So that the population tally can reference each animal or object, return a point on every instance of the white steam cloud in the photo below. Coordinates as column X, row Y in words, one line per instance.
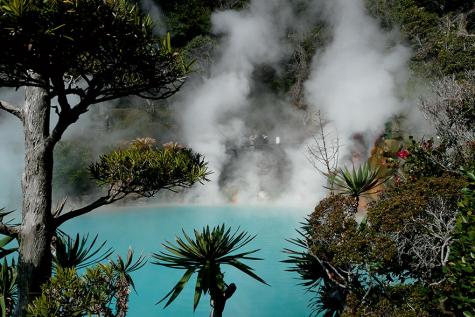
column 11, row 156
column 223, row 119
column 356, row 80
column 254, row 139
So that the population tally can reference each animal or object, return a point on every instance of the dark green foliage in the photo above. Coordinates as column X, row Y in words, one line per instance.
column 331, row 300
column 369, row 267
column 6, row 251
column 204, row 255
column 187, row 19
column 461, row 269
column 8, row 289
column 8, row 274
column 410, row 199
column 318, row 259
column 144, row 169
column 302, row 262
column 439, row 32
column 102, row 290
column 399, row 300
column 419, row 163
column 108, row 45
column 328, row 297
column 79, row 252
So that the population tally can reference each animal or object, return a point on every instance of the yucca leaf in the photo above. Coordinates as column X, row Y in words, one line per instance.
column 246, row 269
column 198, row 289
column 6, row 240
column 178, row 287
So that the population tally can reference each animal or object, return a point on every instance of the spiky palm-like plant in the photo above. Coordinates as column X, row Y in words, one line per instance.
column 204, row 255
column 122, row 270
column 78, row 252
column 362, row 181
column 328, row 298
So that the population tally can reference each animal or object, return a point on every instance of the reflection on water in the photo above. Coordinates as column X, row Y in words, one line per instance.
column 144, row 229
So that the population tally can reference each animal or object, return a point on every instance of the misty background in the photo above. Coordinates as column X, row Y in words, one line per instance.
column 233, row 109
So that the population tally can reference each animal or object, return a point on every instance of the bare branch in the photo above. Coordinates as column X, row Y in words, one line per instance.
column 59, row 209
column 327, row 266
column 14, row 110
column 428, row 237
column 449, row 109
column 102, row 201
column 11, row 231
column 324, row 152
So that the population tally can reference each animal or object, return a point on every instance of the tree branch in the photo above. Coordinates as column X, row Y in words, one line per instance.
column 102, row 201
column 8, row 230
column 14, row 110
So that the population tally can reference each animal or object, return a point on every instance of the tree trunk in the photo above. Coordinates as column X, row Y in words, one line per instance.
column 219, row 299
column 34, row 266
column 218, row 308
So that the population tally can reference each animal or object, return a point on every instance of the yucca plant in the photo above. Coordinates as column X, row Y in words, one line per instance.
column 362, row 181
column 78, row 252
column 204, row 255
column 123, row 281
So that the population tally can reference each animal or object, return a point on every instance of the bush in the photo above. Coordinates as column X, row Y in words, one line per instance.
column 461, row 268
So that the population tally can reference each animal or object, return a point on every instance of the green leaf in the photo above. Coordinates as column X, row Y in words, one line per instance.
column 198, row 289
column 178, row 287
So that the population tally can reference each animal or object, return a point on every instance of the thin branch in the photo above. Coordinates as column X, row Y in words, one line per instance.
column 8, row 230
column 14, row 110
column 59, row 209
column 102, row 201
column 329, row 274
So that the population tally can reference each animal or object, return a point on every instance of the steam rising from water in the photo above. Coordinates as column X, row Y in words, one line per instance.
column 254, row 139
column 354, row 80
column 11, row 156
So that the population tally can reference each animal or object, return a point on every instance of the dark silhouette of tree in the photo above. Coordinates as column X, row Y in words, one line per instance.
column 69, row 56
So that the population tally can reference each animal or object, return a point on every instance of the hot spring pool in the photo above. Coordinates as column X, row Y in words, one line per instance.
column 144, row 229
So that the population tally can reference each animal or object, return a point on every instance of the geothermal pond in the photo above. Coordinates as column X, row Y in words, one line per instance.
column 144, row 229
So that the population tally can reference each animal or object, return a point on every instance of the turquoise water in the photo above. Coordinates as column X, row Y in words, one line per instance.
column 144, row 229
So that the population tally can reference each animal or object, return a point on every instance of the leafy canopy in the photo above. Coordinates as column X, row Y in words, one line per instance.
column 101, row 49
column 144, row 169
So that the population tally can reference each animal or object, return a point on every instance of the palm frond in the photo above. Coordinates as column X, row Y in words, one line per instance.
column 301, row 262
column 329, row 300
column 79, row 252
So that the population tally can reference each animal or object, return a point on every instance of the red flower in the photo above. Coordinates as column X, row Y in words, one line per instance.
column 403, row 154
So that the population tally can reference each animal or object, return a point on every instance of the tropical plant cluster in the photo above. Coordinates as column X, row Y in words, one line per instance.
column 396, row 260
column 405, row 246
column 102, row 290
